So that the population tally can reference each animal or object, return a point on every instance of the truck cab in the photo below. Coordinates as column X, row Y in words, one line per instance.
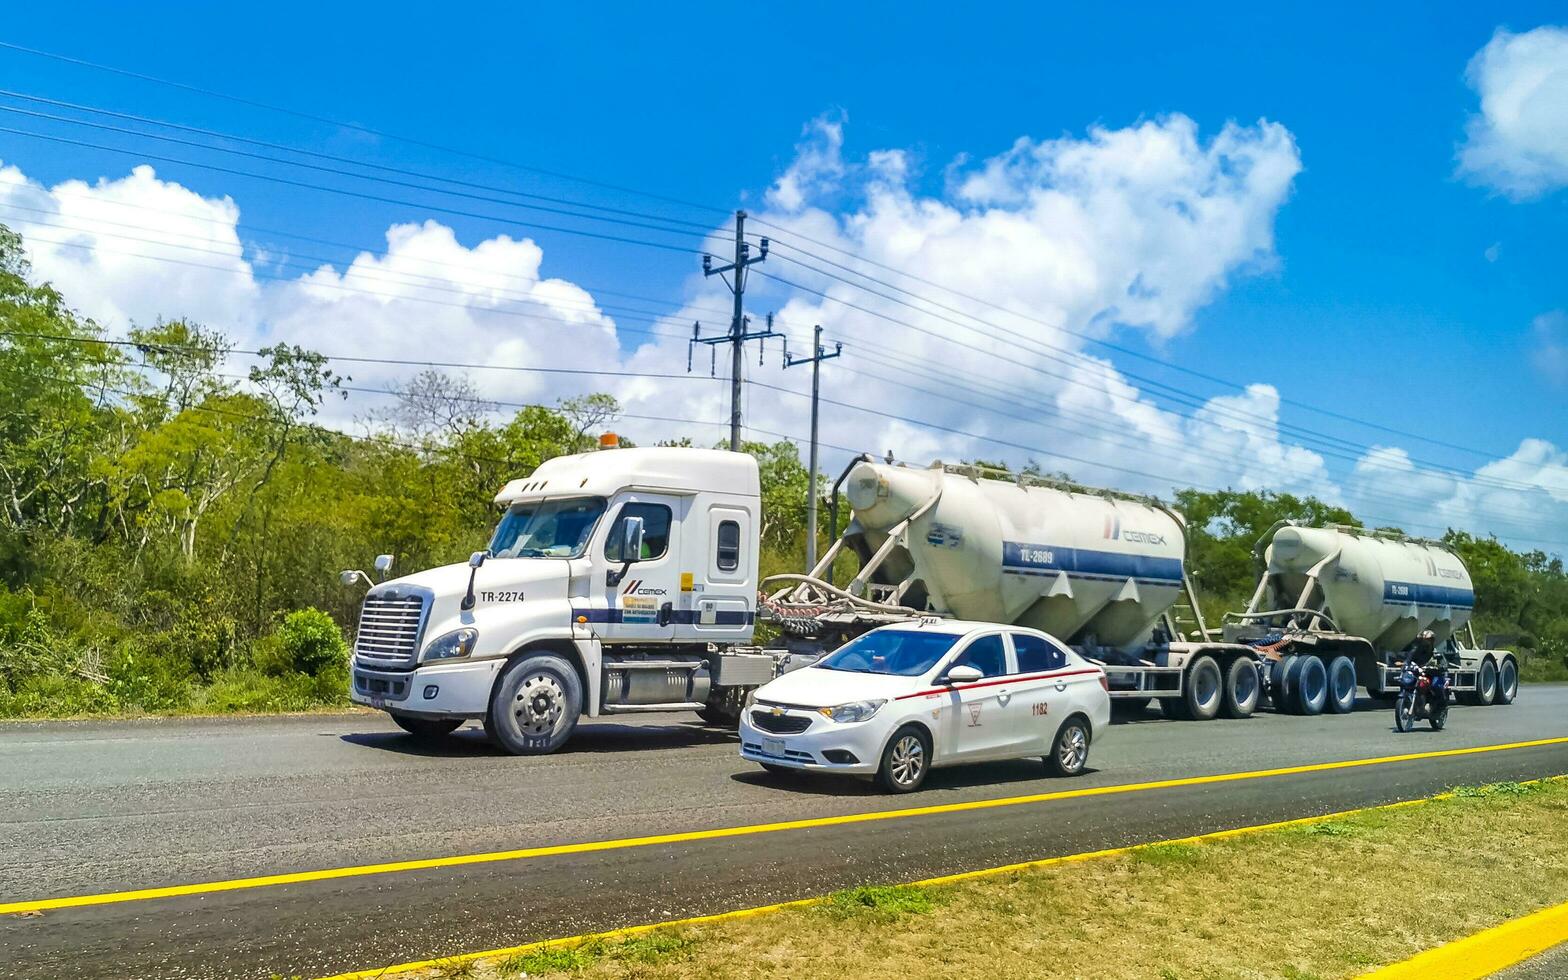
column 615, row 581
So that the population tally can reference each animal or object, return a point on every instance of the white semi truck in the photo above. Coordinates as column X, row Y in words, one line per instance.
column 625, row 580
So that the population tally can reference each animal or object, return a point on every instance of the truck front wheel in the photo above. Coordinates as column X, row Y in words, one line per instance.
column 535, row 705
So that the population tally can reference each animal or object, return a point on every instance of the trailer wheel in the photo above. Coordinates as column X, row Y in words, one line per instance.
column 1507, row 681
column 1307, row 682
column 1280, row 684
column 535, row 704
column 1485, row 684
column 427, row 728
column 1204, row 690
column 1341, row 686
column 1243, row 686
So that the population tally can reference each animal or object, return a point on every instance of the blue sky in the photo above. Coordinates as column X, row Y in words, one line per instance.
column 1397, row 289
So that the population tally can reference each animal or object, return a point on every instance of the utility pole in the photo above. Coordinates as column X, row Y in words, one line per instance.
column 818, row 355
column 737, row 335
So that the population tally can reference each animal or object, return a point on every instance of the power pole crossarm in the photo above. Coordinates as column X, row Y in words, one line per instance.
column 818, row 355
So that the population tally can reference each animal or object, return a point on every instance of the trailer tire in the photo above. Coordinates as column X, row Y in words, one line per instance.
column 1281, row 686
column 428, row 729
column 1307, row 683
column 1507, row 681
column 1341, row 686
column 1243, row 687
column 1485, row 684
column 535, row 704
column 1203, row 694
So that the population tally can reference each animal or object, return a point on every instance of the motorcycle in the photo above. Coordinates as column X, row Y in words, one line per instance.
column 1423, row 693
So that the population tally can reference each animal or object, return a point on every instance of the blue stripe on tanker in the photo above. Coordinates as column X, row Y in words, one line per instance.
column 1024, row 558
column 1413, row 593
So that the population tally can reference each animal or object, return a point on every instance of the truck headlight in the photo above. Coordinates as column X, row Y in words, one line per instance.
column 854, row 711
column 458, row 643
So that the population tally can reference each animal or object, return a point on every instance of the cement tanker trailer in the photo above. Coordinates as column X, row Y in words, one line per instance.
column 1099, row 571
column 1338, row 607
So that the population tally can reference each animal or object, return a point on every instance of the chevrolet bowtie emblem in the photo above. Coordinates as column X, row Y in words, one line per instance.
column 777, row 711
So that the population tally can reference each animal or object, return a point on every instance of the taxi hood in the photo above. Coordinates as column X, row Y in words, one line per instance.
column 819, row 687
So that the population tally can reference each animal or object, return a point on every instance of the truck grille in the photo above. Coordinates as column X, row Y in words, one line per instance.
column 390, row 625
column 780, row 724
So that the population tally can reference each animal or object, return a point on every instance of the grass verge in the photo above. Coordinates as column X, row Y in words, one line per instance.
column 1328, row 899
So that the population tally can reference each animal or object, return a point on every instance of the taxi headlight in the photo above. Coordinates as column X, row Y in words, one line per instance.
column 853, row 711
column 458, row 643
column 751, row 699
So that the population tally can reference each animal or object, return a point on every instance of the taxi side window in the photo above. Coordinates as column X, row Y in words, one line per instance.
column 1035, row 655
column 655, row 532
column 985, row 655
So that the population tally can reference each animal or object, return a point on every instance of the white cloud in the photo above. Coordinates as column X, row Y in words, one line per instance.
column 1550, row 356
column 818, row 162
column 1518, row 142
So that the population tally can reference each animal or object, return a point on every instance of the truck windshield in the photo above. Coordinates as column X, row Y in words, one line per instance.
column 906, row 653
column 558, row 528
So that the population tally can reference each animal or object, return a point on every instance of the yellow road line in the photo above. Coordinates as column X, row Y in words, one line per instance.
column 586, row 847
column 1486, row 952
column 638, row 930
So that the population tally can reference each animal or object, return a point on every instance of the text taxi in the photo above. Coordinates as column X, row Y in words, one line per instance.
column 901, row 699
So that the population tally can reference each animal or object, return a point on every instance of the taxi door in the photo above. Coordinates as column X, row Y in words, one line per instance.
column 976, row 717
column 1043, row 694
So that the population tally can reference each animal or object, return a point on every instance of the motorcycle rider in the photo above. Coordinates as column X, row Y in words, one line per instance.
column 1424, row 654
column 1424, row 648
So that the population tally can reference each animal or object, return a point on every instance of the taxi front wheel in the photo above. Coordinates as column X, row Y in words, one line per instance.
column 905, row 761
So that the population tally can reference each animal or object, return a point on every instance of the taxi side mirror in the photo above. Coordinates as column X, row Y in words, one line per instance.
column 962, row 674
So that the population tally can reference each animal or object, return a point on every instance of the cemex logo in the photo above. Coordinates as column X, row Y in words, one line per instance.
column 1113, row 532
column 635, row 587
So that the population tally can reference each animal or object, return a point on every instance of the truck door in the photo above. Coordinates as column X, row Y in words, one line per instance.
column 977, row 718
column 638, row 605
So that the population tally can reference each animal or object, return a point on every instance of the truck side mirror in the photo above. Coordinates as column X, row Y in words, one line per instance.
column 383, row 565
column 474, row 561
column 631, row 542
column 631, row 550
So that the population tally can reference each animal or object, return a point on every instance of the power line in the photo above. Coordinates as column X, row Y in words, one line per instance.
column 892, row 416
column 382, row 134
column 702, row 231
column 1307, row 436
column 602, row 236
column 1214, row 379
column 257, row 229
column 800, row 235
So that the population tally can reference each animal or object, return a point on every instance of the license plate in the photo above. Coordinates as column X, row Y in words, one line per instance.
column 378, row 702
column 773, row 746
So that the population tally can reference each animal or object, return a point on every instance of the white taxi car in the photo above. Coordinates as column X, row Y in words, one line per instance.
column 901, row 699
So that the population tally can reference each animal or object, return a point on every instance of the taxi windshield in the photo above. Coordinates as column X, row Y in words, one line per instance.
column 555, row 528
column 906, row 653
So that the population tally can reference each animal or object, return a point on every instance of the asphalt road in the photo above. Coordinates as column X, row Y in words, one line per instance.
column 98, row 807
